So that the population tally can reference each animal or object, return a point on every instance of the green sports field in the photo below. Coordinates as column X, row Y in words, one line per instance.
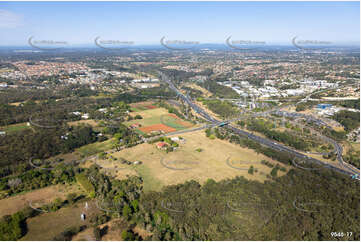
column 158, row 116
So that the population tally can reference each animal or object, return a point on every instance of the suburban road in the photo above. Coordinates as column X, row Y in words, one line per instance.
column 348, row 170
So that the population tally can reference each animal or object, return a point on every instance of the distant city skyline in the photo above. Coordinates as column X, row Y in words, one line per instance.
column 145, row 23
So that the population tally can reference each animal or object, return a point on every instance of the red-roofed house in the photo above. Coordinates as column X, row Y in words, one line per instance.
column 136, row 125
column 162, row 145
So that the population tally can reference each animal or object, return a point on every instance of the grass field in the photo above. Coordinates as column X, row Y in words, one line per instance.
column 211, row 162
column 68, row 157
column 90, row 122
column 158, row 119
column 86, row 150
column 14, row 127
column 173, row 121
column 115, row 168
column 13, row 204
column 150, row 116
column 94, row 148
column 48, row 225
column 141, row 106
column 102, row 95
column 356, row 146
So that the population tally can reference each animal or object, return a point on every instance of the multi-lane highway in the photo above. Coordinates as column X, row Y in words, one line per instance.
column 266, row 142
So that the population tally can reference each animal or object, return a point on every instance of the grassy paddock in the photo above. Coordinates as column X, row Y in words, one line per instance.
column 48, row 225
column 14, row 204
column 94, row 148
column 85, row 183
column 211, row 162
column 158, row 116
column 14, row 127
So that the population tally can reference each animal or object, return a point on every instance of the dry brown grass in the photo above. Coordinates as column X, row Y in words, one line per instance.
column 120, row 172
column 68, row 157
column 90, row 122
column 142, row 232
column 115, row 228
column 47, row 225
column 209, row 163
column 149, row 113
column 85, row 235
column 203, row 90
column 16, row 104
column 45, row 195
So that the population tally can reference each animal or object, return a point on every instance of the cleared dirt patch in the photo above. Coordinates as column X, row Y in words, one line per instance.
column 150, row 106
column 157, row 127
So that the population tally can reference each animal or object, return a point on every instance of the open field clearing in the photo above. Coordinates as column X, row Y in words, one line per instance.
column 91, row 149
column 15, row 127
column 85, row 235
column 48, row 225
column 356, row 146
column 84, row 151
column 102, row 95
column 15, row 104
column 141, row 106
column 18, row 103
column 120, row 174
column 338, row 129
column 158, row 119
column 175, row 122
column 90, row 122
column 159, row 168
column 150, row 116
column 157, row 127
column 5, row 70
column 114, row 230
column 45, row 195
column 115, row 168
column 68, row 157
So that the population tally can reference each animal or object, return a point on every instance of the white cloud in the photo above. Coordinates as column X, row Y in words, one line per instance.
column 9, row 19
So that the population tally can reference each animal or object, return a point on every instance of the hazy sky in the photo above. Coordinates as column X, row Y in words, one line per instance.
column 147, row 22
